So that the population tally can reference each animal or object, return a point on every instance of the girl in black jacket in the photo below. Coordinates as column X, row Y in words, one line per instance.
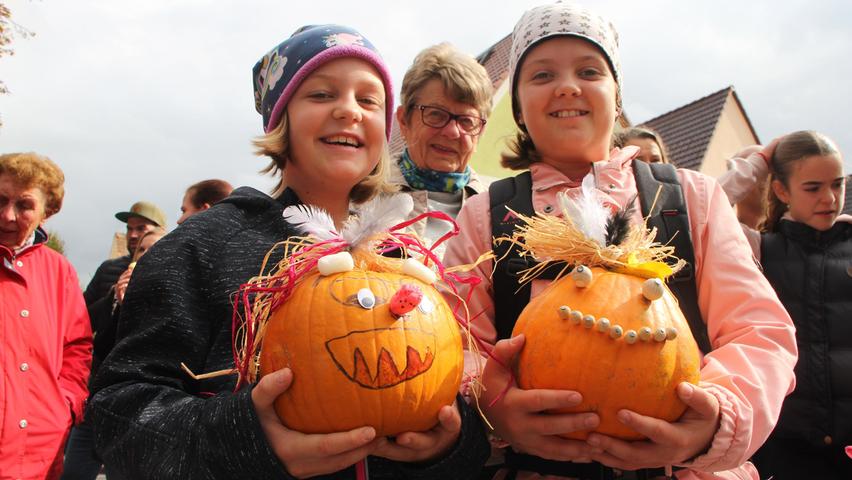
column 806, row 250
column 326, row 101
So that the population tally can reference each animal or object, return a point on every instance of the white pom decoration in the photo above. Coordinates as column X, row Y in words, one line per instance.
column 413, row 268
column 582, row 276
column 603, row 325
column 564, row 312
column 335, row 263
column 652, row 289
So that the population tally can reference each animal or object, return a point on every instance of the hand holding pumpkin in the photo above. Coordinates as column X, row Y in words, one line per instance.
column 307, row 455
column 519, row 416
column 423, row 446
column 668, row 443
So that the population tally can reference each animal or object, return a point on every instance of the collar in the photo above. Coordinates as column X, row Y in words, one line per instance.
column 548, row 176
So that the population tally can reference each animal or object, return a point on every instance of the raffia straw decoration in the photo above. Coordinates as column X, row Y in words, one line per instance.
column 549, row 239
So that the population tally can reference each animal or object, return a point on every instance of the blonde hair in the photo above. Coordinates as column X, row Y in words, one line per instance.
column 463, row 78
column 276, row 145
column 620, row 139
column 791, row 149
column 32, row 170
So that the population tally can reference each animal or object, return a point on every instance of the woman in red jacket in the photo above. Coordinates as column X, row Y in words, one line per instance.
column 45, row 337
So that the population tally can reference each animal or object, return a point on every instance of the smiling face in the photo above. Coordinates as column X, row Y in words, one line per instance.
column 567, row 99
column 337, row 127
column 815, row 191
column 445, row 149
column 22, row 210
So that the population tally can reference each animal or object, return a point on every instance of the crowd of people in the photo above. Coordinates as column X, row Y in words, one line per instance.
column 97, row 381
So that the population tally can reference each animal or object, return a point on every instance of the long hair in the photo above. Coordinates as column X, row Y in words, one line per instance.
column 791, row 149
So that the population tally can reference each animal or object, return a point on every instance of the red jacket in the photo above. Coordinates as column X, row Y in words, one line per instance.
column 45, row 355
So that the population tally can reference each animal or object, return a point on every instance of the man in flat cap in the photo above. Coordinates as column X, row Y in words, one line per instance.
column 143, row 217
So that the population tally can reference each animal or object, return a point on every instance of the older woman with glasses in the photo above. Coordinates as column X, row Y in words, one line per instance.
column 446, row 98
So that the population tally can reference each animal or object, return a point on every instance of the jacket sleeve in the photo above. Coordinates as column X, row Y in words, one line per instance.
column 77, row 347
column 750, row 369
column 151, row 419
column 746, row 170
column 473, row 240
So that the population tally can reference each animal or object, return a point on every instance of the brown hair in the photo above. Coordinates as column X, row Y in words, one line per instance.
column 208, row 191
column 791, row 149
column 159, row 232
column 32, row 170
column 464, row 79
column 620, row 139
column 275, row 145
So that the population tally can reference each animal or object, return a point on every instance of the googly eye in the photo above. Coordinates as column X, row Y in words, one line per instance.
column 366, row 298
column 426, row 306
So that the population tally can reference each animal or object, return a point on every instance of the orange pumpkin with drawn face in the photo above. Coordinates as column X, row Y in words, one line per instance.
column 355, row 363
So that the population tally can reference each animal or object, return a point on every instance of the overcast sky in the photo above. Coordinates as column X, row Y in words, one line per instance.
column 138, row 100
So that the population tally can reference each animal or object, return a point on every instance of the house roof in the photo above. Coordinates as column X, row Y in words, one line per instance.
column 687, row 130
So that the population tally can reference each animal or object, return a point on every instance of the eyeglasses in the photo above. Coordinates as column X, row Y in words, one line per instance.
column 436, row 117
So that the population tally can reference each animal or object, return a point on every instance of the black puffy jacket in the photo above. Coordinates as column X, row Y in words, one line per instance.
column 812, row 273
column 151, row 419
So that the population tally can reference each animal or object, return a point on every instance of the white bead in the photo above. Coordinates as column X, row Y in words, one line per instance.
column 426, row 306
column 576, row 317
column 603, row 324
column 671, row 333
column 582, row 276
column 588, row 321
column 335, row 263
column 413, row 268
column 645, row 334
column 564, row 312
column 616, row 332
column 652, row 289
column 631, row 336
column 660, row 335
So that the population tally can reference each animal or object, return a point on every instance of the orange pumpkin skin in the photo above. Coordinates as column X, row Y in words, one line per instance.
column 609, row 373
column 354, row 366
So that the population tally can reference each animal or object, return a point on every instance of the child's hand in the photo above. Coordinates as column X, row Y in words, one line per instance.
column 519, row 418
column 121, row 285
column 307, row 455
column 668, row 443
column 422, row 446
column 769, row 149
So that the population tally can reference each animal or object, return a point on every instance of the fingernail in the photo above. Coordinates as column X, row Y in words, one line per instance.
column 575, row 398
column 517, row 339
column 623, row 416
column 594, row 441
column 591, row 421
column 686, row 390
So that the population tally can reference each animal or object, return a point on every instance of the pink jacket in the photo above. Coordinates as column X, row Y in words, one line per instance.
column 750, row 369
column 45, row 354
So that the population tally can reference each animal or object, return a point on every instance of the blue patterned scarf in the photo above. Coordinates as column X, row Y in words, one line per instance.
column 432, row 180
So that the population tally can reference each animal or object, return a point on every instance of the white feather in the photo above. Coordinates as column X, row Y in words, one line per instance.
column 312, row 221
column 378, row 215
column 587, row 211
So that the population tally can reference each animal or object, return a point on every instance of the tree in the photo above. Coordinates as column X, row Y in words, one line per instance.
column 8, row 30
column 55, row 241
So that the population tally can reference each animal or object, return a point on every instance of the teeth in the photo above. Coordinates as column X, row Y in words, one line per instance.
column 568, row 113
column 342, row 140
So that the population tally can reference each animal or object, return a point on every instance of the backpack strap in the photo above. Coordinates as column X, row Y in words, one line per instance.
column 509, row 298
column 671, row 219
